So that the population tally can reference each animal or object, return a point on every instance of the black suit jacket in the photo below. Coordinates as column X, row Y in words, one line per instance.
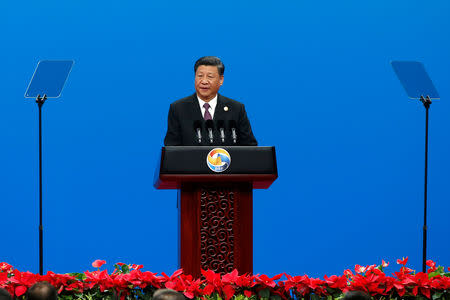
column 184, row 112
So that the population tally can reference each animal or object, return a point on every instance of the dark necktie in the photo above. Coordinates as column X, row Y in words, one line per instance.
column 207, row 115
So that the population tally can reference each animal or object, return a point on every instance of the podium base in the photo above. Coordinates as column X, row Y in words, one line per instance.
column 216, row 227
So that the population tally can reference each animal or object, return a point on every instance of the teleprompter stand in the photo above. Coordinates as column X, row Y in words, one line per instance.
column 48, row 80
column 215, row 209
column 418, row 85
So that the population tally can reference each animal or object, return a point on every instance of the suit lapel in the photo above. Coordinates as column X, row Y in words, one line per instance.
column 196, row 111
column 219, row 112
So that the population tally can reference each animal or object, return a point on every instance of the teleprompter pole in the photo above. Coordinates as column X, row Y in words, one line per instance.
column 426, row 102
column 40, row 101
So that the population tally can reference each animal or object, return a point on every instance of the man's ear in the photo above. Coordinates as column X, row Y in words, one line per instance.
column 221, row 80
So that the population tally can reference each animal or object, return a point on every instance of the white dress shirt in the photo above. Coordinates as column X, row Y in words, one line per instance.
column 212, row 106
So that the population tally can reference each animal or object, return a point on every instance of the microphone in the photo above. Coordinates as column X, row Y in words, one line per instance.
column 221, row 126
column 233, row 130
column 209, row 126
column 198, row 130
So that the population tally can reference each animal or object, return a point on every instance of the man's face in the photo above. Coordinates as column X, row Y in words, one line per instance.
column 207, row 82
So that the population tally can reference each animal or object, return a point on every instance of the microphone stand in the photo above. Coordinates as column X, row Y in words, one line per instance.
column 40, row 102
column 426, row 103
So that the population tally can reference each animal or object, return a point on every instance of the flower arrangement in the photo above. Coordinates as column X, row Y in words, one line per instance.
column 130, row 282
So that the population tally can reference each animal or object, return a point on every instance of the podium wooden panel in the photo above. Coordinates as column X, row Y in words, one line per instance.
column 215, row 209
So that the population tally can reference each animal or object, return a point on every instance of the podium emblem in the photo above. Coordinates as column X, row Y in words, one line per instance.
column 218, row 160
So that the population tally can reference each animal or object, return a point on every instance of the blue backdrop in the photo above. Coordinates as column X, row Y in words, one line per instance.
column 317, row 84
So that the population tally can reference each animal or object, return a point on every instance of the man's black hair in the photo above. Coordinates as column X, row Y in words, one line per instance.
column 210, row 61
column 42, row 291
column 4, row 294
column 356, row 295
column 167, row 294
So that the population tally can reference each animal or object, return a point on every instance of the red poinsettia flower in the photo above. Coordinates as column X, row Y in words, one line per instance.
column 3, row 278
column 245, row 281
column 432, row 266
column 336, row 282
column 406, row 270
column 384, row 264
column 100, row 279
column 230, row 277
column 150, row 279
column 405, row 284
column 137, row 267
column 98, row 263
column 228, row 291
column 193, row 287
column 213, row 282
column 348, row 273
column 22, row 280
column 402, row 261
column 20, row 290
column 360, row 269
column 370, row 268
column 265, row 280
column 248, row 294
column 5, row 267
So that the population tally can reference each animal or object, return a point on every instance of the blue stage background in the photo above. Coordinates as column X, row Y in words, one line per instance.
column 317, row 84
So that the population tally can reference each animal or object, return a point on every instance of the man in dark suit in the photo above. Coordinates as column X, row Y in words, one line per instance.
column 188, row 114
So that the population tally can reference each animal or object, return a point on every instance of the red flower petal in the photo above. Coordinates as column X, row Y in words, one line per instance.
column 360, row 269
column 402, row 261
column 138, row 267
column 425, row 292
column 228, row 290
column 415, row 290
column 170, row 285
column 177, row 273
column 20, row 290
column 98, row 263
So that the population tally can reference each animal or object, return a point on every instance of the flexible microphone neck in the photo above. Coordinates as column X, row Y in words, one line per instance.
column 198, row 130
column 210, row 126
column 221, row 126
column 233, row 131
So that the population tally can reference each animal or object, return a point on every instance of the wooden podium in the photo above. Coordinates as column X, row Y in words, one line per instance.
column 215, row 209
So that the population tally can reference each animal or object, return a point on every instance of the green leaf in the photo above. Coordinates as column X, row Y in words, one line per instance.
column 420, row 297
column 125, row 269
column 216, row 296
column 436, row 295
column 339, row 296
column 432, row 274
column 264, row 294
column 79, row 276
column 275, row 297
